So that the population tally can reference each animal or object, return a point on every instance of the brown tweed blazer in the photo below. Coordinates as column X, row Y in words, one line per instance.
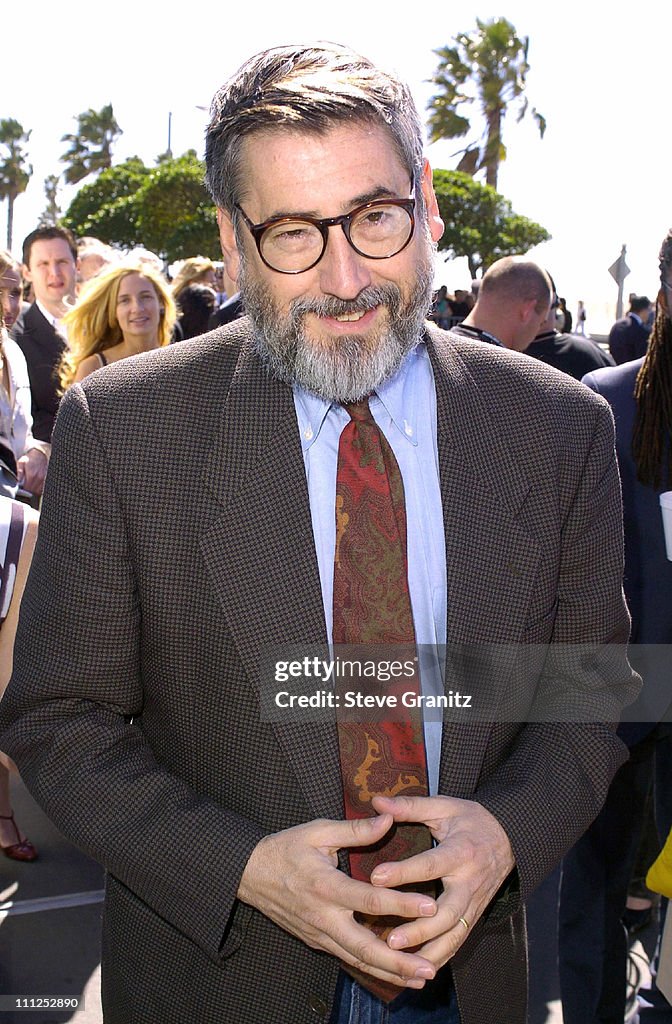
column 175, row 541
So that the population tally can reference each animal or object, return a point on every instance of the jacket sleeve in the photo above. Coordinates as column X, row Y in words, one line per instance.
column 68, row 713
column 559, row 766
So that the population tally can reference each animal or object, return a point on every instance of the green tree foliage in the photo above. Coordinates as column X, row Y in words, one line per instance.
column 176, row 216
column 14, row 171
column 487, row 66
column 480, row 223
column 165, row 208
column 91, row 146
column 52, row 210
column 105, row 208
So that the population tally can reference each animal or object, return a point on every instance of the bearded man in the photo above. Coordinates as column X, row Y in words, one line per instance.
column 328, row 469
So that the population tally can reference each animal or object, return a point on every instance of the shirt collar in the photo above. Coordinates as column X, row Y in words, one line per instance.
column 312, row 412
column 399, row 396
column 549, row 335
column 469, row 331
column 49, row 317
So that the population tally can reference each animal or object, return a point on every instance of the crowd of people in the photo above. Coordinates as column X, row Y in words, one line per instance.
column 359, row 462
column 72, row 307
column 448, row 310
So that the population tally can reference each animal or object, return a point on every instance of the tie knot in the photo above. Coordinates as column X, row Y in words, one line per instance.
column 359, row 411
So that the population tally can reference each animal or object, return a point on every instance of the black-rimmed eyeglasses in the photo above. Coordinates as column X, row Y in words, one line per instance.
column 377, row 230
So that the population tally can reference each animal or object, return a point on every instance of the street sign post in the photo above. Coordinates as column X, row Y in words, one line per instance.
column 619, row 271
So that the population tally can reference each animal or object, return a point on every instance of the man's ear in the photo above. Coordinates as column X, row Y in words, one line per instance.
column 25, row 273
column 527, row 311
column 227, row 239
column 436, row 225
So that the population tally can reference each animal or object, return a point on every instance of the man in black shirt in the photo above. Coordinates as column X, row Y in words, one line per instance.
column 567, row 352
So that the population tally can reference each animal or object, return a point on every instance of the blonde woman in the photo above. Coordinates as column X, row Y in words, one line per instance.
column 126, row 309
column 195, row 270
column 11, row 289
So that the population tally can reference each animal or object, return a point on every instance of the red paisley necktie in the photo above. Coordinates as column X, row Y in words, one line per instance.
column 372, row 607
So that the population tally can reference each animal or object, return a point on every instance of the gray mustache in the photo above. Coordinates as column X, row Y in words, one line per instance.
column 368, row 298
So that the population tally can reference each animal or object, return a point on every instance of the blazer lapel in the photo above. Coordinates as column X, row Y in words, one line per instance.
column 260, row 555
column 491, row 559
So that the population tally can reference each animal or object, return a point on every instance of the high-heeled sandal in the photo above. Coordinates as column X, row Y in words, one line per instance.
column 22, row 849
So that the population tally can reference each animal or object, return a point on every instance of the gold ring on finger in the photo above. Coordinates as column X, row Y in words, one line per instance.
column 464, row 921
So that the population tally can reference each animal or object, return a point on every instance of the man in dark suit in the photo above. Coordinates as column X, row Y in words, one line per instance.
column 629, row 337
column 230, row 309
column 597, row 872
column 189, row 527
column 567, row 352
column 49, row 264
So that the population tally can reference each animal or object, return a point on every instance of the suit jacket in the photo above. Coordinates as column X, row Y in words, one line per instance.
column 184, row 550
column 43, row 347
column 648, row 572
column 569, row 353
column 230, row 309
column 628, row 340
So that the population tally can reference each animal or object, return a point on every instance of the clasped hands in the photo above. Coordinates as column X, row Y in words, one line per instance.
column 292, row 877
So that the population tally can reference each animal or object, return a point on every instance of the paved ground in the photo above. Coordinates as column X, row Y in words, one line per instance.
column 50, row 925
column 49, row 939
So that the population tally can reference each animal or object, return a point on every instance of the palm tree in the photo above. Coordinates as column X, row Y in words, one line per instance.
column 52, row 210
column 488, row 66
column 91, row 147
column 14, row 171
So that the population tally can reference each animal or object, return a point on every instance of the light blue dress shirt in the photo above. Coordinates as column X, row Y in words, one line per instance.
column 404, row 408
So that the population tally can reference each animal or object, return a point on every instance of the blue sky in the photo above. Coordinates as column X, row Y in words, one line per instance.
column 597, row 181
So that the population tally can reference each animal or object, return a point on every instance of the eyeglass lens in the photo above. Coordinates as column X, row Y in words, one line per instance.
column 377, row 232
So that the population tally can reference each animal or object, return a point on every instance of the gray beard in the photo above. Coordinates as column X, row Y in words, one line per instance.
column 346, row 368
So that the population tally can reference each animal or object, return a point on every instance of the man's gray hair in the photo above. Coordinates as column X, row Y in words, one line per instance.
column 308, row 88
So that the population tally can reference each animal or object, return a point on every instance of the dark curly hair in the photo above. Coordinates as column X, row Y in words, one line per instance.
column 651, row 442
